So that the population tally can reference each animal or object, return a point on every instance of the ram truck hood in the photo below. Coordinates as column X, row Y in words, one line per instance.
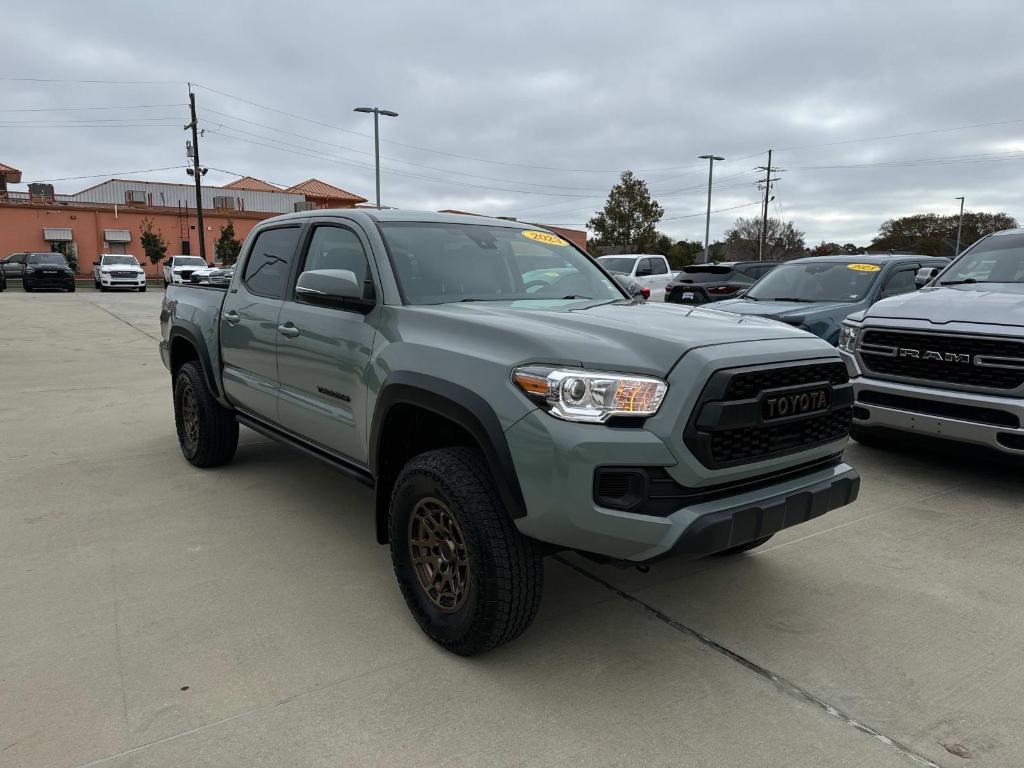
column 642, row 338
column 980, row 303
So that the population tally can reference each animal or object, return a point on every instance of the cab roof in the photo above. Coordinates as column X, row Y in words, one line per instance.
column 399, row 215
column 864, row 258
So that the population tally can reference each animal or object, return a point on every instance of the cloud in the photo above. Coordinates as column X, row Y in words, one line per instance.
column 533, row 110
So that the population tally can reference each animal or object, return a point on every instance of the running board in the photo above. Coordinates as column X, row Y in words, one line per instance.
column 337, row 462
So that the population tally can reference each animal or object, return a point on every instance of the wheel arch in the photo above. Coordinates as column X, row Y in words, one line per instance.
column 467, row 411
column 186, row 342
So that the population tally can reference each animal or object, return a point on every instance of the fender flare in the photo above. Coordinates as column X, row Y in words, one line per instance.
column 190, row 332
column 459, row 405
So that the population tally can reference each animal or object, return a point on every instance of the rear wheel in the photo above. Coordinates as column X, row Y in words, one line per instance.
column 471, row 580
column 207, row 431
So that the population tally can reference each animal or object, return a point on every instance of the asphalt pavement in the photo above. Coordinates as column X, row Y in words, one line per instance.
column 153, row 614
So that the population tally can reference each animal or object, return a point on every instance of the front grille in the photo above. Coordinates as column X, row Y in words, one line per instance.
column 752, row 383
column 728, row 427
column 964, row 373
column 186, row 275
column 123, row 274
column 975, row 413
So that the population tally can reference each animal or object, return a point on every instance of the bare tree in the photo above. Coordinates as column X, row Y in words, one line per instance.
column 782, row 241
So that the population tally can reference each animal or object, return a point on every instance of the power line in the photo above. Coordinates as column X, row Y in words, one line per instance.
column 84, row 121
column 924, row 161
column 704, row 213
column 89, row 109
column 109, row 174
column 438, row 151
column 104, row 82
column 902, row 135
column 88, row 125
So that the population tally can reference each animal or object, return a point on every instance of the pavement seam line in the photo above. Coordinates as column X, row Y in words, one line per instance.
column 118, row 317
column 784, row 685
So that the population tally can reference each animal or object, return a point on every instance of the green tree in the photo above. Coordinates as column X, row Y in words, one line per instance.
column 935, row 235
column 153, row 243
column 70, row 252
column 827, row 249
column 227, row 247
column 782, row 240
column 683, row 253
column 630, row 216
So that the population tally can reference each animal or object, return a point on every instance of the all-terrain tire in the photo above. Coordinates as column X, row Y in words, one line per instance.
column 207, row 431
column 505, row 569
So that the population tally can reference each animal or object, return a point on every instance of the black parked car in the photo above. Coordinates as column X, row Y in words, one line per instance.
column 701, row 283
column 47, row 270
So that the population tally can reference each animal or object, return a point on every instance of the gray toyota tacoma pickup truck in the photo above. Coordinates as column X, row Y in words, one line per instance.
column 948, row 360
column 506, row 399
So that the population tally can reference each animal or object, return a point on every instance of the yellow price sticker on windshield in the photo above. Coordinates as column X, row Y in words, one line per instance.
column 544, row 237
column 864, row 267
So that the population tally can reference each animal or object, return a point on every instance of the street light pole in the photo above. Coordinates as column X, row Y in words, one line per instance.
column 377, row 112
column 707, row 223
column 959, row 226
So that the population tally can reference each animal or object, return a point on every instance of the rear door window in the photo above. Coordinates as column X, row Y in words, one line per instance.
column 269, row 263
column 658, row 267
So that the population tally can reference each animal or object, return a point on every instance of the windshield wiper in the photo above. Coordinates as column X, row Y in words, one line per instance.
column 574, row 296
column 969, row 280
column 789, row 298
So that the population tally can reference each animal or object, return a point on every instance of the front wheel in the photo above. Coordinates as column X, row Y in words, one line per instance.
column 71, row 289
column 207, row 431
column 471, row 580
column 25, row 286
column 142, row 289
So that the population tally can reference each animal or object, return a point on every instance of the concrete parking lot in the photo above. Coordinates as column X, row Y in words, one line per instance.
column 152, row 614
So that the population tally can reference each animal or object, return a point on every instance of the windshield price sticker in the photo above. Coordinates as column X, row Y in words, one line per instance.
column 544, row 237
column 864, row 267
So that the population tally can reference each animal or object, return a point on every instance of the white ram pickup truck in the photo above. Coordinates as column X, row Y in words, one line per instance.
column 178, row 269
column 118, row 270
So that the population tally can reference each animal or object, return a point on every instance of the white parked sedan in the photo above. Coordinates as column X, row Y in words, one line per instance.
column 118, row 271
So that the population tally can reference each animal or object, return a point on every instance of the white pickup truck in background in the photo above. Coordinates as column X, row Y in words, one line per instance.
column 650, row 270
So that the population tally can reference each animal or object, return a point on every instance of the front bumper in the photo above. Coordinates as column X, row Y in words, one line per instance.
column 122, row 282
column 49, row 282
column 556, row 461
column 979, row 419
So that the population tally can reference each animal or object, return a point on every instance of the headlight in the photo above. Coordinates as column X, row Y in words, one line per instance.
column 848, row 337
column 590, row 396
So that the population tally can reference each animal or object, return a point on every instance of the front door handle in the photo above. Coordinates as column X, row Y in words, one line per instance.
column 231, row 318
column 288, row 330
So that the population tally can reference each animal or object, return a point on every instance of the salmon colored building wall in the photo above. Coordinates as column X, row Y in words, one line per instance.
column 21, row 229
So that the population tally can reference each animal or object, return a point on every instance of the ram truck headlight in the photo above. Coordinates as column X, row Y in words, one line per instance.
column 590, row 396
column 848, row 335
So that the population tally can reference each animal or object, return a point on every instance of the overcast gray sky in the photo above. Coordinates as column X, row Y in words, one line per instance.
column 532, row 109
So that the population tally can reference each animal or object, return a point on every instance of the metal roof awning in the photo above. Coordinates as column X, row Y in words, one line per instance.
column 56, row 235
column 117, row 235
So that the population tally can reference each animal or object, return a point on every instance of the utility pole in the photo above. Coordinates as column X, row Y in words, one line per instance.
column 764, row 207
column 196, row 171
column 959, row 226
column 377, row 112
column 707, row 222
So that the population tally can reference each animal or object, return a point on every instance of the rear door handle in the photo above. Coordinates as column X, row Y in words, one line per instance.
column 288, row 330
column 231, row 318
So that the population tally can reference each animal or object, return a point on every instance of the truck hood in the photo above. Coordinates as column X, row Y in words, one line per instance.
column 998, row 304
column 642, row 338
column 782, row 309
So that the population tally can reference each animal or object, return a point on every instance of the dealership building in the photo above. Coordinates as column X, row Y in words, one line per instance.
column 110, row 217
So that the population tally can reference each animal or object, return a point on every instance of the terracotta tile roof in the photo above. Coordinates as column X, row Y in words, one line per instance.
column 13, row 174
column 253, row 184
column 317, row 188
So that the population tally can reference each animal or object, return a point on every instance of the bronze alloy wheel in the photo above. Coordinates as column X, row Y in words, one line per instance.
column 438, row 552
column 190, row 415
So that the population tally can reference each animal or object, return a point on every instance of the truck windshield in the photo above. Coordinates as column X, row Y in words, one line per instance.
column 439, row 263
column 816, row 281
column 47, row 259
column 618, row 263
column 188, row 261
column 125, row 261
column 994, row 260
